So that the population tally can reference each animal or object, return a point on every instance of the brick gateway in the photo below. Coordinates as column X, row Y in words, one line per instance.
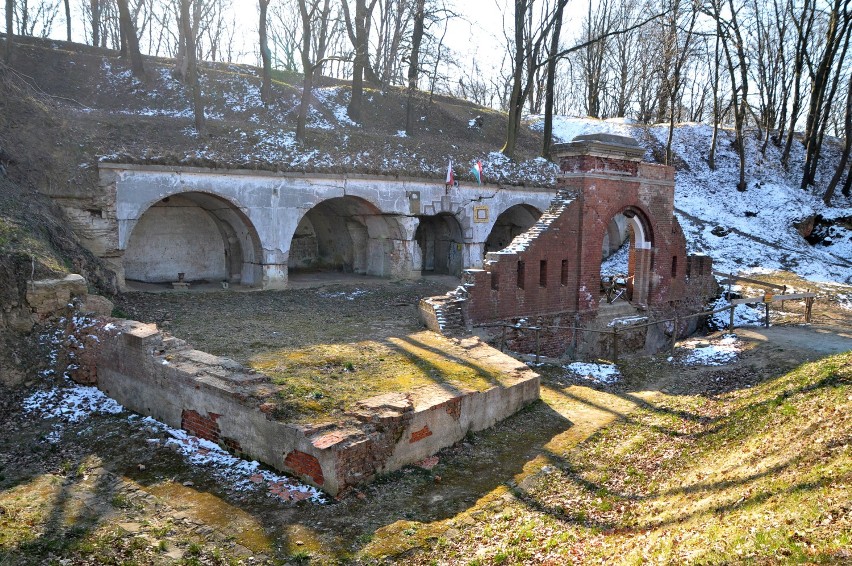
column 550, row 275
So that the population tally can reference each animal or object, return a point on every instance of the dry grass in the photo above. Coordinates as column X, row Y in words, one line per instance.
column 759, row 475
column 323, row 380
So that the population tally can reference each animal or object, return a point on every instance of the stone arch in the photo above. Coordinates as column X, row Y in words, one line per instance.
column 347, row 234
column 511, row 222
column 440, row 240
column 201, row 235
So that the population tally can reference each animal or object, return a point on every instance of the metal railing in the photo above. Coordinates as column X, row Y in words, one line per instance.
column 676, row 320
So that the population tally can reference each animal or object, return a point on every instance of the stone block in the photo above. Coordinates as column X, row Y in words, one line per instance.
column 97, row 305
column 49, row 296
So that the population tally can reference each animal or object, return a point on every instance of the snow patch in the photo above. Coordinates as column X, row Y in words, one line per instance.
column 717, row 353
column 599, row 373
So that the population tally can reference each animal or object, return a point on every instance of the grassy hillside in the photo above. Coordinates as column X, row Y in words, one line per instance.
column 759, row 475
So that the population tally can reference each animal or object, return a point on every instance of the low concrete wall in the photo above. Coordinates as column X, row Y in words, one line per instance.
column 218, row 399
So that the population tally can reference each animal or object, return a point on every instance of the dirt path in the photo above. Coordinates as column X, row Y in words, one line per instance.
column 819, row 339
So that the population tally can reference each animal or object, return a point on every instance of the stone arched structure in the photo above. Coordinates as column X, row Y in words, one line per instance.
column 287, row 214
column 512, row 222
column 348, row 234
column 440, row 241
column 196, row 234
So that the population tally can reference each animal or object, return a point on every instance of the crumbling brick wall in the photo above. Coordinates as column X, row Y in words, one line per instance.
column 550, row 275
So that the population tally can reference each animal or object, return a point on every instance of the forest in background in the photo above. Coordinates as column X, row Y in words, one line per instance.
column 777, row 69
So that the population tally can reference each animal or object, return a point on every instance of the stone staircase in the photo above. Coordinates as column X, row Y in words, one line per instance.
column 619, row 313
column 447, row 312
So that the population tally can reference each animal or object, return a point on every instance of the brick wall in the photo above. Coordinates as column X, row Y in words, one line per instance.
column 201, row 426
column 305, row 465
column 552, row 272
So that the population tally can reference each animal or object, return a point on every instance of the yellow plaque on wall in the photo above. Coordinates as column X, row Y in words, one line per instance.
column 480, row 213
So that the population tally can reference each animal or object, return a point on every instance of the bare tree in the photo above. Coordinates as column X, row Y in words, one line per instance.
column 395, row 21
column 265, row 54
column 847, row 149
column 591, row 59
column 10, row 29
column 803, row 22
column 680, row 20
column 414, row 62
column 315, row 21
column 733, row 48
column 824, row 80
column 715, row 64
column 284, row 29
column 188, row 36
column 128, row 31
column 358, row 29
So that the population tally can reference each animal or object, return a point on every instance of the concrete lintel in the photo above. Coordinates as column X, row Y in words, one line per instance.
column 601, row 145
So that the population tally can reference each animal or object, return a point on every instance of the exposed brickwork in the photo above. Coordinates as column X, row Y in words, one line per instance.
column 232, row 446
column 303, row 464
column 78, row 358
column 453, row 407
column 419, row 435
column 200, row 426
column 609, row 179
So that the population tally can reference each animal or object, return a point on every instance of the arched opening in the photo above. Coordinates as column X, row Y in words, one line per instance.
column 626, row 257
column 344, row 234
column 440, row 241
column 194, row 237
column 616, row 235
column 513, row 221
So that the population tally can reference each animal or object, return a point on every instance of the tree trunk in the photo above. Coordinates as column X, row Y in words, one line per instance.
column 307, row 83
column 128, row 31
column 711, row 157
column 550, row 87
column 803, row 29
column 192, row 68
column 847, row 185
column 414, row 63
column 96, row 22
column 181, row 70
column 68, row 20
column 516, row 98
column 266, row 54
column 847, row 148
column 10, row 29
column 820, row 97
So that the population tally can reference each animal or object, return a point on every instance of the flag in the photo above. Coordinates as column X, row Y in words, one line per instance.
column 477, row 171
column 450, row 177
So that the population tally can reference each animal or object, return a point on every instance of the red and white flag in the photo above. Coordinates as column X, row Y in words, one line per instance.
column 450, row 176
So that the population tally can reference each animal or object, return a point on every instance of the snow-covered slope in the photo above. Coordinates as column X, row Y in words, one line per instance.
column 755, row 227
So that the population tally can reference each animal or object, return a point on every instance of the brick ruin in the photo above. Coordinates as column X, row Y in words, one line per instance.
column 550, row 276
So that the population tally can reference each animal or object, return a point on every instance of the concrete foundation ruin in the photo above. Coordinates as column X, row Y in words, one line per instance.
column 219, row 400
column 550, row 275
